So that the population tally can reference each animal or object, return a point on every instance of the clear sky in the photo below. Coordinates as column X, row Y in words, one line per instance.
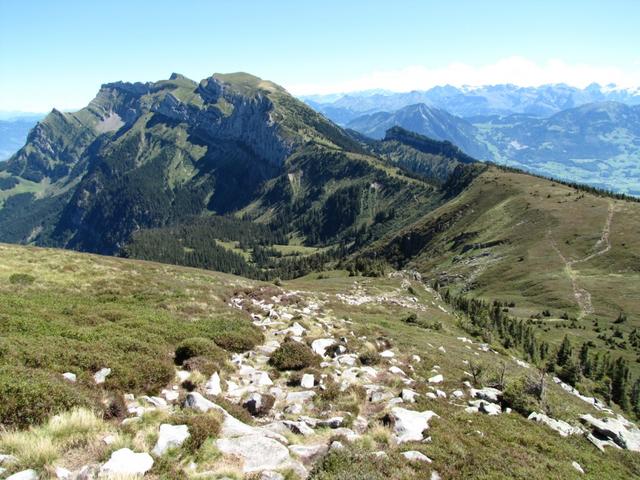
column 56, row 53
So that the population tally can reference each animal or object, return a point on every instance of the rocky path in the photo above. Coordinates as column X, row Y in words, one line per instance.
column 602, row 246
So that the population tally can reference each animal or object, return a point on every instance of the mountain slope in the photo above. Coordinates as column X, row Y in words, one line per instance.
column 430, row 122
column 154, row 155
column 153, row 319
column 539, row 245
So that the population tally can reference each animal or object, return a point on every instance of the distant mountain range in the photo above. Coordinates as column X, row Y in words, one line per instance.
column 596, row 144
column 505, row 99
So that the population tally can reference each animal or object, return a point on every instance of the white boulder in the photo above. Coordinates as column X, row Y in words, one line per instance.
column 127, row 462
column 408, row 425
column 101, row 375
column 170, row 436
column 415, row 456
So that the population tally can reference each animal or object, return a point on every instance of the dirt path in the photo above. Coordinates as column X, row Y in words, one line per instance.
column 602, row 246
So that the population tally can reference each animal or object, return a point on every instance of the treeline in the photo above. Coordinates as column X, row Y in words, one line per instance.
column 609, row 378
column 194, row 244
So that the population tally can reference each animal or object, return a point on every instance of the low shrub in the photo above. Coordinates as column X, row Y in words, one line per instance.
column 201, row 427
column 204, row 365
column 140, row 373
column 235, row 341
column 370, row 357
column 198, row 347
column 520, row 395
column 21, row 279
column 30, row 396
column 292, row 355
column 233, row 409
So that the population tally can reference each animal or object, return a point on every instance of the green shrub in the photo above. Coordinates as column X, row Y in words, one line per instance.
column 204, row 365
column 520, row 395
column 370, row 357
column 201, row 427
column 198, row 347
column 140, row 373
column 233, row 409
column 21, row 279
column 30, row 396
column 292, row 355
column 235, row 341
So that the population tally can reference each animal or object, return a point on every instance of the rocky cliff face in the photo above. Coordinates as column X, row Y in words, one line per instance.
column 144, row 155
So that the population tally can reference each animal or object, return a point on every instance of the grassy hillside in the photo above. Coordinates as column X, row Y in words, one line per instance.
column 539, row 244
column 69, row 312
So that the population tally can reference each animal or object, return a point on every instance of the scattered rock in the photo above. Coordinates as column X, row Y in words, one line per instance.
column 101, row 375
column 409, row 425
column 170, row 436
column 618, row 429
column 269, row 475
column 196, row 401
column 436, row 379
column 212, row 387
column 563, row 428
column 70, row 376
column 24, row 475
column 307, row 381
column 387, row 354
column 489, row 394
column 308, row 453
column 336, row 445
column 299, row 428
column 577, row 466
column 408, row 395
column 320, row 345
column 63, row 474
column 257, row 452
column 300, row 397
column 415, row 456
column 127, row 462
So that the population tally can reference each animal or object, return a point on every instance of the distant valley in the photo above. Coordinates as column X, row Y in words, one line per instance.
column 589, row 136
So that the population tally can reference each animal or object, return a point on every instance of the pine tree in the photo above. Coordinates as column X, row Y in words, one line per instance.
column 565, row 352
column 635, row 397
column 619, row 383
column 585, row 361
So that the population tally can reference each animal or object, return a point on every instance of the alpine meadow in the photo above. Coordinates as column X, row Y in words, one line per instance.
column 397, row 259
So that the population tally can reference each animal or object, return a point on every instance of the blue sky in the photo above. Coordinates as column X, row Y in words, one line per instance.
column 57, row 53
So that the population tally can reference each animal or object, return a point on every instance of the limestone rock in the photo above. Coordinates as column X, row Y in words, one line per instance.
column 320, row 345
column 577, row 466
column 307, row 380
column 170, row 436
column 24, row 475
column 408, row 425
column 619, row 430
column 127, row 462
column 415, row 456
column 101, row 375
column 563, row 428
column 257, row 452
column 212, row 387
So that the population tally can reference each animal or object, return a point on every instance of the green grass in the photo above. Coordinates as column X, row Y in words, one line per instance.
column 82, row 313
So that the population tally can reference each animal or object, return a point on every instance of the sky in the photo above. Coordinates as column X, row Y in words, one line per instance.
column 57, row 53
